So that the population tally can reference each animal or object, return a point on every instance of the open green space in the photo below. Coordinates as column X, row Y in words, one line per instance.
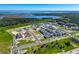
column 22, row 42
column 5, row 42
column 57, row 46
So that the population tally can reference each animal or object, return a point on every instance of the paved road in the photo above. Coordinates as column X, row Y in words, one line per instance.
column 37, row 40
column 14, row 49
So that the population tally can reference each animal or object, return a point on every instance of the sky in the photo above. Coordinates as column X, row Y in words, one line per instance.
column 47, row 7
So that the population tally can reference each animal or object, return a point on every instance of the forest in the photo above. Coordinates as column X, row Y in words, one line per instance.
column 15, row 21
column 65, row 17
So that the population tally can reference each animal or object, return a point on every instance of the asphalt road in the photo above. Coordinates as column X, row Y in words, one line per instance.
column 14, row 49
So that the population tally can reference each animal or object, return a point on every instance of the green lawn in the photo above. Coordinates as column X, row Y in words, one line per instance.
column 53, row 47
column 5, row 42
column 23, row 42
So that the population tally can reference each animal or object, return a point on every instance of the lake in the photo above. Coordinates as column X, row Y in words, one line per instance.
column 54, row 17
column 33, row 16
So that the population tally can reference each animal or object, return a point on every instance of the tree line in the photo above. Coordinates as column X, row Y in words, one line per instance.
column 14, row 21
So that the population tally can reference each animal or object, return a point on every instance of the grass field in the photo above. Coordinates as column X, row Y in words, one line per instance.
column 5, row 42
